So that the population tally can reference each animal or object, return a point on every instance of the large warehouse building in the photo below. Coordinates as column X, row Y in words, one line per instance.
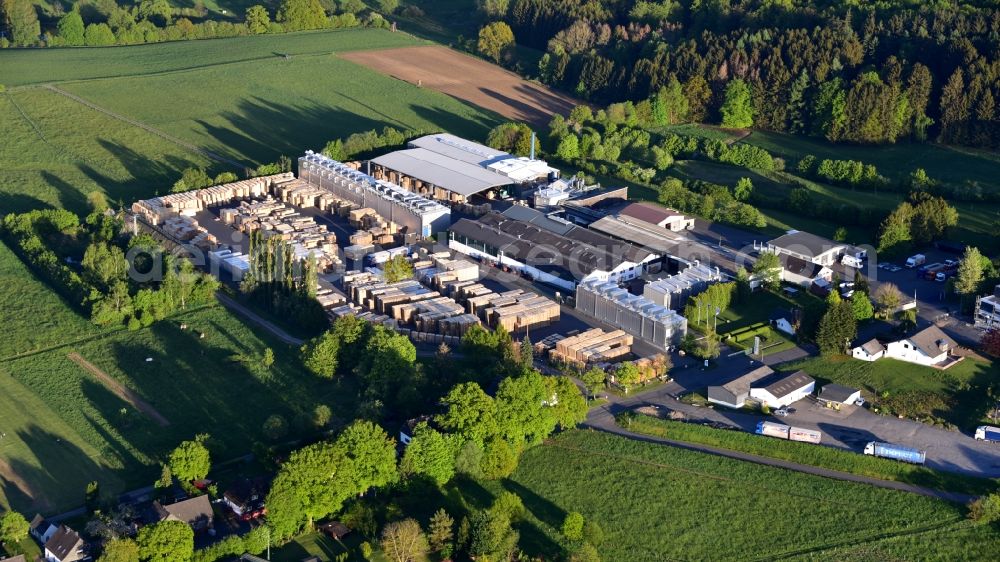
column 410, row 211
column 559, row 257
column 450, row 168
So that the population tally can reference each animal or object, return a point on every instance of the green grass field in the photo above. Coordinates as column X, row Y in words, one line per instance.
column 239, row 98
column 805, row 453
column 32, row 315
column 944, row 163
column 955, row 395
column 658, row 503
column 66, row 427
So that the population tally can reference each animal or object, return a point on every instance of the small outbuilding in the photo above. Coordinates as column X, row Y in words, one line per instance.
column 871, row 350
column 785, row 321
column 780, row 390
column 735, row 393
column 837, row 395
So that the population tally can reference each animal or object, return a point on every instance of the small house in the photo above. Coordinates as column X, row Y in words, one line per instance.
column 334, row 529
column 196, row 512
column 246, row 498
column 735, row 393
column 837, row 395
column 780, row 390
column 930, row 347
column 41, row 529
column 65, row 545
column 872, row 350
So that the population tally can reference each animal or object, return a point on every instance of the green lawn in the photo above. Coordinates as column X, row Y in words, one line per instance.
column 67, row 428
column 659, row 503
column 32, row 315
column 956, row 395
column 744, row 318
column 40, row 66
column 235, row 97
column 806, row 453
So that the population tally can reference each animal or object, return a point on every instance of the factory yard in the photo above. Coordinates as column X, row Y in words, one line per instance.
column 470, row 79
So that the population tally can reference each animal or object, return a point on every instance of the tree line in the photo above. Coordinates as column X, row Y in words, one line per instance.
column 115, row 278
column 876, row 75
column 108, row 23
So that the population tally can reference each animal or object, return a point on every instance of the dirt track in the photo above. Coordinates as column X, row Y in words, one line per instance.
column 120, row 390
column 469, row 79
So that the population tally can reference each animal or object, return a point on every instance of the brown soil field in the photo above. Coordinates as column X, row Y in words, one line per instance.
column 469, row 79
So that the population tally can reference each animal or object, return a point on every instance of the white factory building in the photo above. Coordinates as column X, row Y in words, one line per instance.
column 636, row 315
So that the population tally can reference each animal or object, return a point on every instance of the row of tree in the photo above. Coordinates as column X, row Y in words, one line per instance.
column 282, row 282
column 153, row 21
column 826, row 69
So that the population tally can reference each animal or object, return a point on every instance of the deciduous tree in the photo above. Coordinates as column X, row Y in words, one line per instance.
column 191, row 460
column 13, row 527
column 495, row 39
column 572, row 527
column 767, row 268
column 404, row 541
column 737, row 109
column 430, row 453
column 120, row 550
column 258, row 20
column 166, row 541
column 397, row 268
column 71, row 28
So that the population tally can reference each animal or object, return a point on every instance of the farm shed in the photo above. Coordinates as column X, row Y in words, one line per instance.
column 736, row 392
column 836, row 394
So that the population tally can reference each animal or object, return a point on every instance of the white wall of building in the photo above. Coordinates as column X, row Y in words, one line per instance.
column 765, row 397
column 904, row 350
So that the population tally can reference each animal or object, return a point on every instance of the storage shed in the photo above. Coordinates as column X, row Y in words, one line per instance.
column 781, row 390
column 838, row 394
column 735, row 392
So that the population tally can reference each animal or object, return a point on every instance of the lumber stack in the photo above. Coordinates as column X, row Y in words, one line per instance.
column 593, row 346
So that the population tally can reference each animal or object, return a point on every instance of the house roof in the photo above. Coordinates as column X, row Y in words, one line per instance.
column 457, row 176
column 805, row 243
column 932, row 341
column 872, row 347
column 742, row 384
column 781, row 385
column 191, row 511
column 242, row 492
column 335, row 529
column 64, row 542
column 649, row 212
column 834, row 392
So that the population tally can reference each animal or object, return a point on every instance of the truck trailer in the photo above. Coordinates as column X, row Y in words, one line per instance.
column 988, row 433
column 895, row 452
column 914, row 261
column 782, row 431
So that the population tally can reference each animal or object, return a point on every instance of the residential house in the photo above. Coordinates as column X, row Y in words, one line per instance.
column 196, row 512
column 837, row 394
column 736, row 392
column 930, row 347
column 41, row 529
column 334, row 529
column 871, row 350
column 65, row 545
column 246, row 498
column 780, row 390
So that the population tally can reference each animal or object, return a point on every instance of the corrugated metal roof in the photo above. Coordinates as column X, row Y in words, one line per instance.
column 457, row 148
column 457, row 176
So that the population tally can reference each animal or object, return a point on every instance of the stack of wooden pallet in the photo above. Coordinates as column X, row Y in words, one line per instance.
column 593, row 346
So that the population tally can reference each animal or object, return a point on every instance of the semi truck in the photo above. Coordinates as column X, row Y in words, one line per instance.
column 782, row 431
column 988, row 433
column 895, row 452
column 914, row 261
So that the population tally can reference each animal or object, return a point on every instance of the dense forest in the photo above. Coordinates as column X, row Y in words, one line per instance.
column 855, row 71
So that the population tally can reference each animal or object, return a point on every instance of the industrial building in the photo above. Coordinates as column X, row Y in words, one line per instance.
column 816, row 249
column 560, row 258
column 639, row 316
column 443, row 166
column 674, row 291
column 413, row 213
column 735, row 393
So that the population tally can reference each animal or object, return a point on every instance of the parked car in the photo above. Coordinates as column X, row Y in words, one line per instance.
column 781, row 412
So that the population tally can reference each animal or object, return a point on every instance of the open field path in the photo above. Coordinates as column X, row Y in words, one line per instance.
column 275, row 330
column 123, row 392
column 602, row 419
column 206, row 153
column 469, row 79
